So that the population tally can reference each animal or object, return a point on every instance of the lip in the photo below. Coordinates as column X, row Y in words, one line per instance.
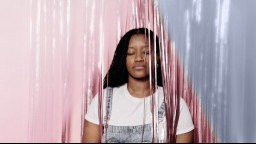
column 139, row 67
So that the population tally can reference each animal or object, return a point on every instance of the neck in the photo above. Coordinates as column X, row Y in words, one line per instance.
column 139, row 87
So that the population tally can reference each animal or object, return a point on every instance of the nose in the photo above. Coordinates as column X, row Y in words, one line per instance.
column 139, row 57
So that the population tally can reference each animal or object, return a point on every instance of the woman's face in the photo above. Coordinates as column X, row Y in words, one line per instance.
column 137, row 60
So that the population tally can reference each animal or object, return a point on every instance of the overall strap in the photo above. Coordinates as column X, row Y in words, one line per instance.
column 161, row 110
column 109, row 99
column 108, row 111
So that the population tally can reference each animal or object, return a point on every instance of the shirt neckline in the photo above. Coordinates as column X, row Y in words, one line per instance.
column 133, row 98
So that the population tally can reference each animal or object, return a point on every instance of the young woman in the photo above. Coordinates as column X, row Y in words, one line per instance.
column 127, row 115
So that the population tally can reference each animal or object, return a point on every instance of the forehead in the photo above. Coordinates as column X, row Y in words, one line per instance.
column 138, row 38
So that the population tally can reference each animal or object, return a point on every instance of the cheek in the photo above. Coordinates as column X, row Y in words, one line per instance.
column 129, row 59
column 128, row 62
column 147, row 61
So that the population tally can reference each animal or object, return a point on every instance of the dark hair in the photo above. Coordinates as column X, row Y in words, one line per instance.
column 118, row 74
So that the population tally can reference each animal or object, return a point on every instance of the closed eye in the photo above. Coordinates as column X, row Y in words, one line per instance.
column 130, row 53
column 146, row 52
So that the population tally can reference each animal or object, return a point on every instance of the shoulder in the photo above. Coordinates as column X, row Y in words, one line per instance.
column 115, row 90
column 182, row 102
column 160, row 93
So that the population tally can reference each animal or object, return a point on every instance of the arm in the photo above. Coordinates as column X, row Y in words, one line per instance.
column 91, row 133
column 185, row 138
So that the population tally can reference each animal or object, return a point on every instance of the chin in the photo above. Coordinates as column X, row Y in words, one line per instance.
column 140, row 76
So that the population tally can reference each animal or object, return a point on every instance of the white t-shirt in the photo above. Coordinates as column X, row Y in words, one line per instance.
column 128, row 110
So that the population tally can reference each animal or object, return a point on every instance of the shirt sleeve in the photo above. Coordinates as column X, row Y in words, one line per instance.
column 185, row 123
column 92, row 112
